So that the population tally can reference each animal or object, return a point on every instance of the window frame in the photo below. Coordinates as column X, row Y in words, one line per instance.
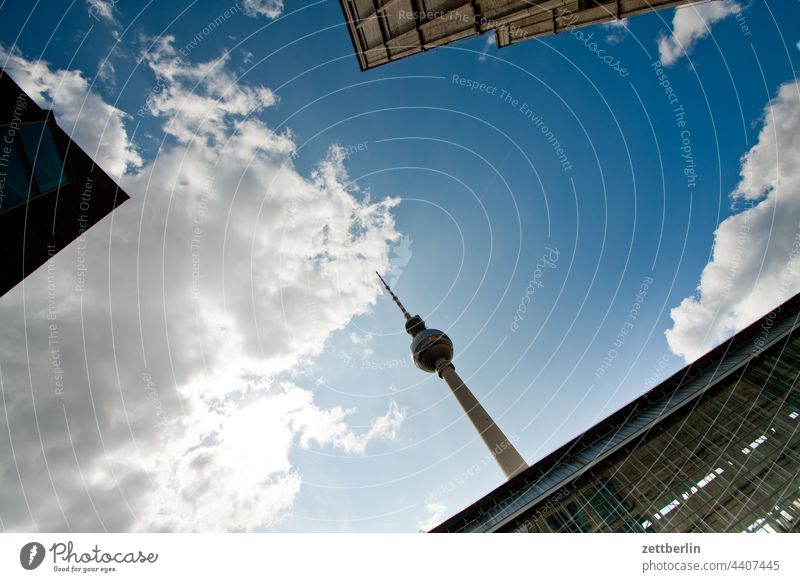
column 34, row 191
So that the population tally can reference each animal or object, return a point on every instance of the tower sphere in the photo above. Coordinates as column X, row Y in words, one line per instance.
column 428, row 346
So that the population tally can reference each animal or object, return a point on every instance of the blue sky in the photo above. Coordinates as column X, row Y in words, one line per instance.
column 667, row 217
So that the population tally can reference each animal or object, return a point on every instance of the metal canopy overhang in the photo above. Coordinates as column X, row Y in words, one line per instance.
column 383, row 31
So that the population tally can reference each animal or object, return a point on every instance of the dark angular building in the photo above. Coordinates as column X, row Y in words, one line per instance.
column 714, row 448
column 387, row 30
column 51, row 191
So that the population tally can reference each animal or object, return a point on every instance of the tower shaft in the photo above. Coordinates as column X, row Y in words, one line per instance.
column 503, row 451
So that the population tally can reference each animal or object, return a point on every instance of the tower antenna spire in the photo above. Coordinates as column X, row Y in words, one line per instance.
column 396, row 300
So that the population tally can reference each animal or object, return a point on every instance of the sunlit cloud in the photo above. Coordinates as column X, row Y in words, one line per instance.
column 690, row 25
column 755, row 263
column 226, row 269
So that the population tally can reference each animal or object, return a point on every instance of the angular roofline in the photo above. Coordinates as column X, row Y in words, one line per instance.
column 631, row 420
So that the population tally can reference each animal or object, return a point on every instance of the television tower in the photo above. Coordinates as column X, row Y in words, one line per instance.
column 432, row 351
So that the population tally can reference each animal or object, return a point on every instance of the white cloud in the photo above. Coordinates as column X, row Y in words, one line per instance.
column 691, row 24
column 214, row 103
column 490, row 42
column 102, row 10
column 226, row 268
column 401, row 256
column 106, row 74
column 327, row 427
column 92, row 123
column 360, row 338
column 617, row 31
column 755, row 260
column 365, row 342
column 435, row 513
column 242, row 477
column 268, row 8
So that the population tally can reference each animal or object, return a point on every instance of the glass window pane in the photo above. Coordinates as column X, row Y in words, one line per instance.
column 48, row 168
column 14, row 179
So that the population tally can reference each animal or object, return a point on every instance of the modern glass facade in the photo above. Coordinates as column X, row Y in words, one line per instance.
column 31, row 163
column 730, row 464
column 724, row 460
column 51, row 191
